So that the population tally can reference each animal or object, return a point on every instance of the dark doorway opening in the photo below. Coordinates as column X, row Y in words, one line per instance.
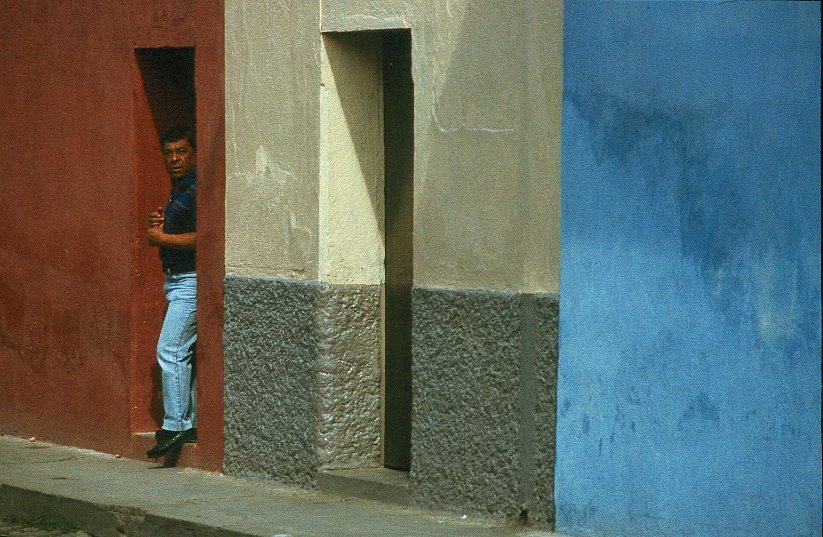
column 398, row 140
column 168, row 85
column 164, row 96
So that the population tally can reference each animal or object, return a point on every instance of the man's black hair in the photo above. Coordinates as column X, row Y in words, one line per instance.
column 180, row 132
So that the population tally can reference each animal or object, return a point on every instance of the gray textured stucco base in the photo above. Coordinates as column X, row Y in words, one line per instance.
column 484, row 399
column 302, row 378
column 302, row 391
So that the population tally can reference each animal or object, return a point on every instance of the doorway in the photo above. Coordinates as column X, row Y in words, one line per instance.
column 367, row 199
column 398, row 144
column 164, row 96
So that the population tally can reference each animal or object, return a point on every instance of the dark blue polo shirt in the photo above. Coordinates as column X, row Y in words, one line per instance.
column 180, row 216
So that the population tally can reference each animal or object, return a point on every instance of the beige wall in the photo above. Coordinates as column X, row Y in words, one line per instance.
column 351, row 211
column 272, row 125
column 488, row 80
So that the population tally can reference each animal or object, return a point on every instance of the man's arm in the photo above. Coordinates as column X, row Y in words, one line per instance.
column 179, row 241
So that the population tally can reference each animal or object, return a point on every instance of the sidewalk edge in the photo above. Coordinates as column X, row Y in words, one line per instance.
column 99, row 520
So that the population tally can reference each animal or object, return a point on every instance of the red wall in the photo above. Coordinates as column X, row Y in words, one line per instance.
column 80, row 295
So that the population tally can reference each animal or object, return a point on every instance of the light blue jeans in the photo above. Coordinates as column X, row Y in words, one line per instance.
column 175, row 352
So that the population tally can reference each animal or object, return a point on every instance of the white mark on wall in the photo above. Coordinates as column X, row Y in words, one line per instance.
column 263, row 234
column 774, row 297
column 475, row 66
column 450, row 129
column 371, row 22
column 269, row 169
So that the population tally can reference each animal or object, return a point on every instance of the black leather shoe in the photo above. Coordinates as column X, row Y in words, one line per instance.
column 161, row 435
column 168, row 440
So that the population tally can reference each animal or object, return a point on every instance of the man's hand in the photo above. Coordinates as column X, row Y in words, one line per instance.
column 156, row 218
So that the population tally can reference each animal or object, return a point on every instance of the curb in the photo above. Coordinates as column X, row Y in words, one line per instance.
column 99, row 520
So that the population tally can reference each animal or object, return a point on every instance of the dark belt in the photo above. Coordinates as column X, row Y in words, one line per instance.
column 173, row 271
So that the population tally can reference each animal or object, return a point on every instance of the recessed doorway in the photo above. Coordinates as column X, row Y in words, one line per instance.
column 164, row 96
column 398, row 143
column 367, row 199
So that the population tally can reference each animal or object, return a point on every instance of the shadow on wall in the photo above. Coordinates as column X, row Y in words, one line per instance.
column 733, row 217
column 168, row 79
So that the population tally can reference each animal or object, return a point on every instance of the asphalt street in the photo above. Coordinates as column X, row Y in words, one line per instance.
column 12, row 528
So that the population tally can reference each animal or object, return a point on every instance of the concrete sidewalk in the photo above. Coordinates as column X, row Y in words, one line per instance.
column 108, row 496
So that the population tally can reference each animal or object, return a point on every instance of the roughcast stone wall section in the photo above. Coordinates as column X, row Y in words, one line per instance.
column 484, row 378
column 348, row 338
column 302, row 378
column 547, row 308
column 270, row 380
column 465, row 427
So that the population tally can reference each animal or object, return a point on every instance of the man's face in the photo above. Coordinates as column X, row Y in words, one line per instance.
column 180, row 158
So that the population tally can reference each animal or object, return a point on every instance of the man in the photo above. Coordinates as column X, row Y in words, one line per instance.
column 173, row 230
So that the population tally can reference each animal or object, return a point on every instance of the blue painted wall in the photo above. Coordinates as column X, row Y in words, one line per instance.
column 690, row 349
